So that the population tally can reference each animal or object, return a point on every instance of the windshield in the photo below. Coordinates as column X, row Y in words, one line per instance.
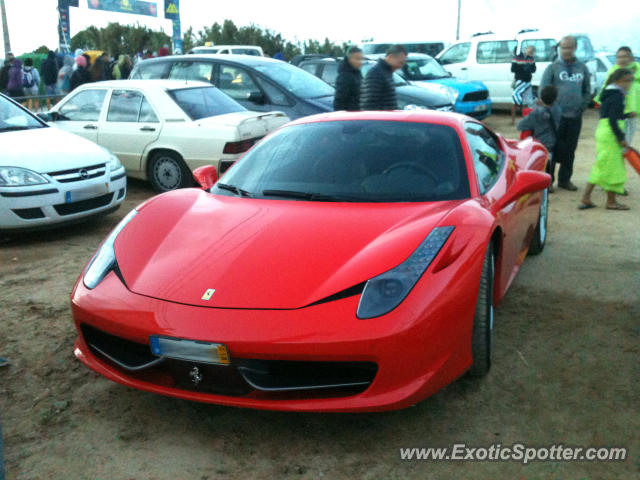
column 295, row 80
column 13, row 117
column 424, row 69
column 203, row 102
column 397, row 78
column 353, row 161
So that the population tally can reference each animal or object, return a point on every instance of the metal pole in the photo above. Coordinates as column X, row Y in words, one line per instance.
column 5, row 29
column 458, row 27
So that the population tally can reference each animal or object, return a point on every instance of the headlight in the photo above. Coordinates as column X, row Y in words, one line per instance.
column 20, row 177
column 105, row 259
column 114, row 163
column 386, row 291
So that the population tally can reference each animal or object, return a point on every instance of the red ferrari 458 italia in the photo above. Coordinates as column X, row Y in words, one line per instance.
column 348, row 262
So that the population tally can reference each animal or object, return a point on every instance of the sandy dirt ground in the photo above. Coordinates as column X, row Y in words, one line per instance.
column 565, row 371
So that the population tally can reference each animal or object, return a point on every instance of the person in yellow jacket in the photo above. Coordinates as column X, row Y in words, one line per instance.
column 625, row 59
column 609, row 170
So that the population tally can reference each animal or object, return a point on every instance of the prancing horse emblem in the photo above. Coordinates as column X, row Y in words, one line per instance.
column 195, row 375
column 208, row 294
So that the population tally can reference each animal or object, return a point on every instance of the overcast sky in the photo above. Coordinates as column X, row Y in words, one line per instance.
column 610, row 23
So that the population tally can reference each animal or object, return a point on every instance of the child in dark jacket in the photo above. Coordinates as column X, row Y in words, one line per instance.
column 544, row 121
column 609, row 170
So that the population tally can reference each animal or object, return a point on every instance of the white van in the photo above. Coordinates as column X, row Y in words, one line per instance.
column 375, row 50
column 230, row 50
column 487, row 58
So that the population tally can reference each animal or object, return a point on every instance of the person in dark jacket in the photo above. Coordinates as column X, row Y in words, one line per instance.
column 523, row 67
column 4, row 72
column 81, row 75
column 349, row 81
column 50, row 74
column 609, row 171
column 378, row 90
column 15, row 83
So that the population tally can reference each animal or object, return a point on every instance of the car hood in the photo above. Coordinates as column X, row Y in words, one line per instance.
column 460, row 85
column 264, row 254
column 49, row 149
column 428, row 97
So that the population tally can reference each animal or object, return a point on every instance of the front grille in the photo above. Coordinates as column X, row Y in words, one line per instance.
column 226, row 165
column 269, row 379
column 121, row 193
column 29, row 213
column 83, row 205
column 476, row 96
column 79, row 174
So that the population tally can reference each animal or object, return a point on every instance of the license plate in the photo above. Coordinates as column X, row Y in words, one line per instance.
column 190, row 350
column 479, row 108
column 88, row 192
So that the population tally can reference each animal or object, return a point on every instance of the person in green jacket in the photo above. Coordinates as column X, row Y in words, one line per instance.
column 625, row 59
column 609, row 170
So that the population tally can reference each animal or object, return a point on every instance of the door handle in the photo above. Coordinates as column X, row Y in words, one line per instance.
column 147, row 129
column 90, row 127
column 464, row 68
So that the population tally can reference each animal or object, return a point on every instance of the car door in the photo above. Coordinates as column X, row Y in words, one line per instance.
column 330, row 73
column 239, row 84
column 493, row 67
column 455, row 59
column 129, row 126
column 80, row 114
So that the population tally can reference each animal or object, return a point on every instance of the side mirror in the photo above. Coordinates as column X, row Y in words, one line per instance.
column 206, row 176
column 47, row 117
column 525, row 182
column 256, row 97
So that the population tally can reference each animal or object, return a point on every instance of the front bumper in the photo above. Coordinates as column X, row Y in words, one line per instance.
column 480, row 109
column 25, row 208
column 417, row 349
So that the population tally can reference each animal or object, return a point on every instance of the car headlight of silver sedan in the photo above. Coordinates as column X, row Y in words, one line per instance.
column 114, row 163
column 105, row 259
column 20, row 177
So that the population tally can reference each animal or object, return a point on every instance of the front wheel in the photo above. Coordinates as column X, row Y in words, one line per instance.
column 482, row 336
column 540, row 235
column 167, row 171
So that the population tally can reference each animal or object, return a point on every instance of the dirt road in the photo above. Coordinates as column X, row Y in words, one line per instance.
column 565, row 371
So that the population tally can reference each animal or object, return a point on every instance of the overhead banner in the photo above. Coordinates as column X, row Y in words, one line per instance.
column 64, row 25
column 138, row 7
column 172, row 12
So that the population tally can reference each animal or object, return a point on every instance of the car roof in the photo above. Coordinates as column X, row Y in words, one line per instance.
column 454, row 120
column 250, row 60
column 147, row 84
column 203, row 47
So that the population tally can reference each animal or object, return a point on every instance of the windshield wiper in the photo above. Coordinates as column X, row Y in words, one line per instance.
column 232, row 188
column 314, row 197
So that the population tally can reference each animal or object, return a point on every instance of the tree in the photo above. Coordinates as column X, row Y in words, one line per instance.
column 42, row 49
column 116, row 38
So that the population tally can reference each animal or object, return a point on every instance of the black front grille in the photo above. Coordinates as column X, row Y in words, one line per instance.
column 226, row 165
column 83, row 205
column 476, row 96
column 29, row 213
column 121, row 193
column 129, row 355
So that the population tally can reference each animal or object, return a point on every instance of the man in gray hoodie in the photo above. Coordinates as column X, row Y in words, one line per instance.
column 573, row 81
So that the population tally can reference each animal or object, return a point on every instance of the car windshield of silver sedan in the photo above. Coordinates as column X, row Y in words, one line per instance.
column 296, row 80
column 204, row 102
column 13, row 118
column 424, row 69
column 353, row 161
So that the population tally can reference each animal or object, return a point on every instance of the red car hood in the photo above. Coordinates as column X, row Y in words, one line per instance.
column 264, row 254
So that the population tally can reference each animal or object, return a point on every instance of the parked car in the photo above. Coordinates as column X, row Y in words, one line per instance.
column 49, row 177
column 604, row 62
column 470, row 98
column 163, row 129
column 298, row 59
column 379, row 49
column 257, row 83
column 350, row 262
column 487, row 58
column 409, row 96
column 229, row 50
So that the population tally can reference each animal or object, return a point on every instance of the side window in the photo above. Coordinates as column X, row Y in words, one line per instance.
column 585, row 52
column 275, row 95
column 124, row 106
column 83, row 107
column 147, row 115
column 312, row 68
column 601, row 67
column 236, row 82
column 496, row 52
column 152, row 70
column 330, row 73
column 488, row 158
column 200, row 71
column 456, row 54
column 545, row 49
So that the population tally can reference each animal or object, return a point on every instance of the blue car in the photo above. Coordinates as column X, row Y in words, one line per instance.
column 470, row 98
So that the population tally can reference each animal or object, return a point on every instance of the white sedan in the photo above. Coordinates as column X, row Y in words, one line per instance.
column 161, row 130
column 49, row 177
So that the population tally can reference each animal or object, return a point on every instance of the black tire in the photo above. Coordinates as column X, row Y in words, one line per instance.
column 167, row 171
column 482, row 337
column 540, row 235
